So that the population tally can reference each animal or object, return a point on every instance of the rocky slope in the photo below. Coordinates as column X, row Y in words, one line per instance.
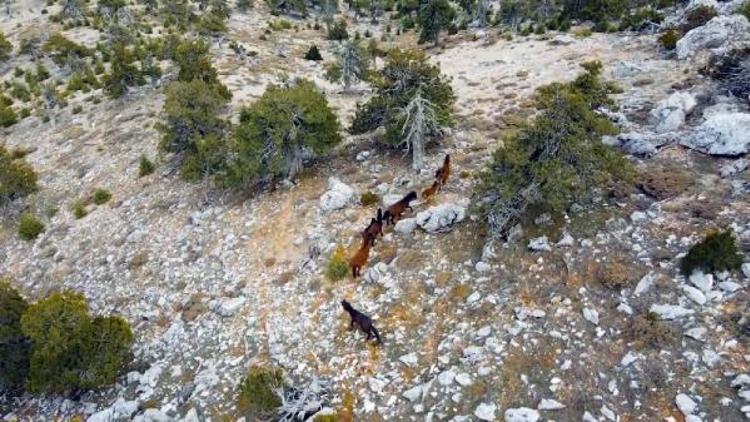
column 213, row 283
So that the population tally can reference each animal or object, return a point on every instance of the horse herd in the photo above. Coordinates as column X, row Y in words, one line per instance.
column 375, row 228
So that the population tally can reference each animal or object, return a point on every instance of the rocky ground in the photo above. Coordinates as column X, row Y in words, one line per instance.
column 557, row 324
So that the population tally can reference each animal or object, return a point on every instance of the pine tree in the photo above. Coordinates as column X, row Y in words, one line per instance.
column 123, row 73
column 435, row 16
column 420, row 122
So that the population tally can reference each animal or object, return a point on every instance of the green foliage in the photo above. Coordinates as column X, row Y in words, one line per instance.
column 434, row 16
column 669, row 39
column 7, row 117
column 744, row 9
column 5, row 48
column 556, row 158
column 326, row 418
column 14, row 348
column 313, row 54
column 717, row 252
column 17, row 177
column 123, row 73
column 29, row 227
column 395, row 84
column 698, row 16
column 145, row 166
column 337, row 31
column 244, row 5
column 61, row 49
column 195, row 63
column 192, row 126
column 79, row 210
column 338, row 266
column 101, row 196
column 369, row 198
column 279, row 131
column 640, row 19
column 352, row 64
column 279, row 25
column 70, row 350
column 257, row 395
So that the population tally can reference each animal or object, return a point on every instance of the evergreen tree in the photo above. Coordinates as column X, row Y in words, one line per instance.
column 420, row 121
column 277, row 133
column 5, row 48
column 123, row 74
column 14, row 346
column 435, row 16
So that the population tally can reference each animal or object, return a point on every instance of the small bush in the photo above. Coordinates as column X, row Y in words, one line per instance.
column 77, row 109
column 616, row 275
column 71, row 351
column 101, row 196
column 5, row 48
column 313, row 54
column 717, row 252
column 669, row 39
column 337, row 31
column 698, row 16
column 14, row 347
column 649, row 332
column 369, row 198
column 257, row 395
column 338, row 266
column 279, row 25
column 79, row 210
column 29, row 227
column 582, row 33
column 17, row 178
column 145, row 166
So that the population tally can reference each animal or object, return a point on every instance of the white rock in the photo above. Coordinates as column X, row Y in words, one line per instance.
column 591, row 315
column 710, row 358
column 154, row 415
column 446, row 377
column 714, row 34
column 670, row 311
column 521, row 414
column 409, row 359
column 441, row 218
column 463, row 379
column 626, row 69
column 482, row 267
column 697, row 333
column 230, row 306
column 644, row 284
column 566, row 241
column 540, row 244
column 485, row 411
column 413, row 394
column 694, row 294
column 746, row 270
column 741, row 380
column 625, row 308
column 191, row 416
column 549, row 404
column 733, row 168
column 729, row 286
column 705, row 282
column 337, row 196
column 608, row 413
column 721, row 134
column 671, row 112
column 405, row 226
column 686, row 405
column 629, row 358
column 562, row 39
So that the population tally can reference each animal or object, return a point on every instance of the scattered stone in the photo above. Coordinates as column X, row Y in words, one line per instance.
column 562, row 39
column 714, row 34
column 405, row 226
column 746, row 270
column 669, row 312
column 229, row 307
column 591, row 315
column 697, row 333
column 729, row 286
column 337, row 196
column 686, row 405
column 482, row 267
column 671, row 112
column 705, row 282
column 566, row 241
column 694, row 294
column 734, row 168
column 413, row 394
column 463, row 379
column 644, row 284
column 441, row 218
column 409, row 359
column 629, row 358
column 521, row 414
column 721, row 134
column 549, row 404
column 446, row 377
column 485, row 411
column 539, row 244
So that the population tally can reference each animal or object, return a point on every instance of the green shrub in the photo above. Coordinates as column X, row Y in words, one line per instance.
column 70, row 350
column 313, row 54
column 7, row 116
column 338, row 266
column 101, row 196
column 192, row 126
column 5, row 48
column 276, row 132
column 558, row 157
column 192, row 56
column 123, row 72
column 369, row 198
column 744, row 9
column 717, row 252
column 29, row 227
column 62, row 49
column 640, row 19
column 279, row 24
column 257, row 396
column 14, row 347
column 337, row 31
column 77, row 109
column 669, row 39
column 435, row 16
column 17, row 178
column 698, row 16
column 145, row 166
column 79, row 210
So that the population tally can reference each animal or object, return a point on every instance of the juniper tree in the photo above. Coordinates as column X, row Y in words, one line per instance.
column 277, row 133
column 14, row 346
column 123, row 73
column 557, row 158
column 435, row 16
column 405, row 74
column 352, row 64
column 17, row 177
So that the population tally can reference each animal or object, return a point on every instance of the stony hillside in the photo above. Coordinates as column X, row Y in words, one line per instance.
column 584, row 317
